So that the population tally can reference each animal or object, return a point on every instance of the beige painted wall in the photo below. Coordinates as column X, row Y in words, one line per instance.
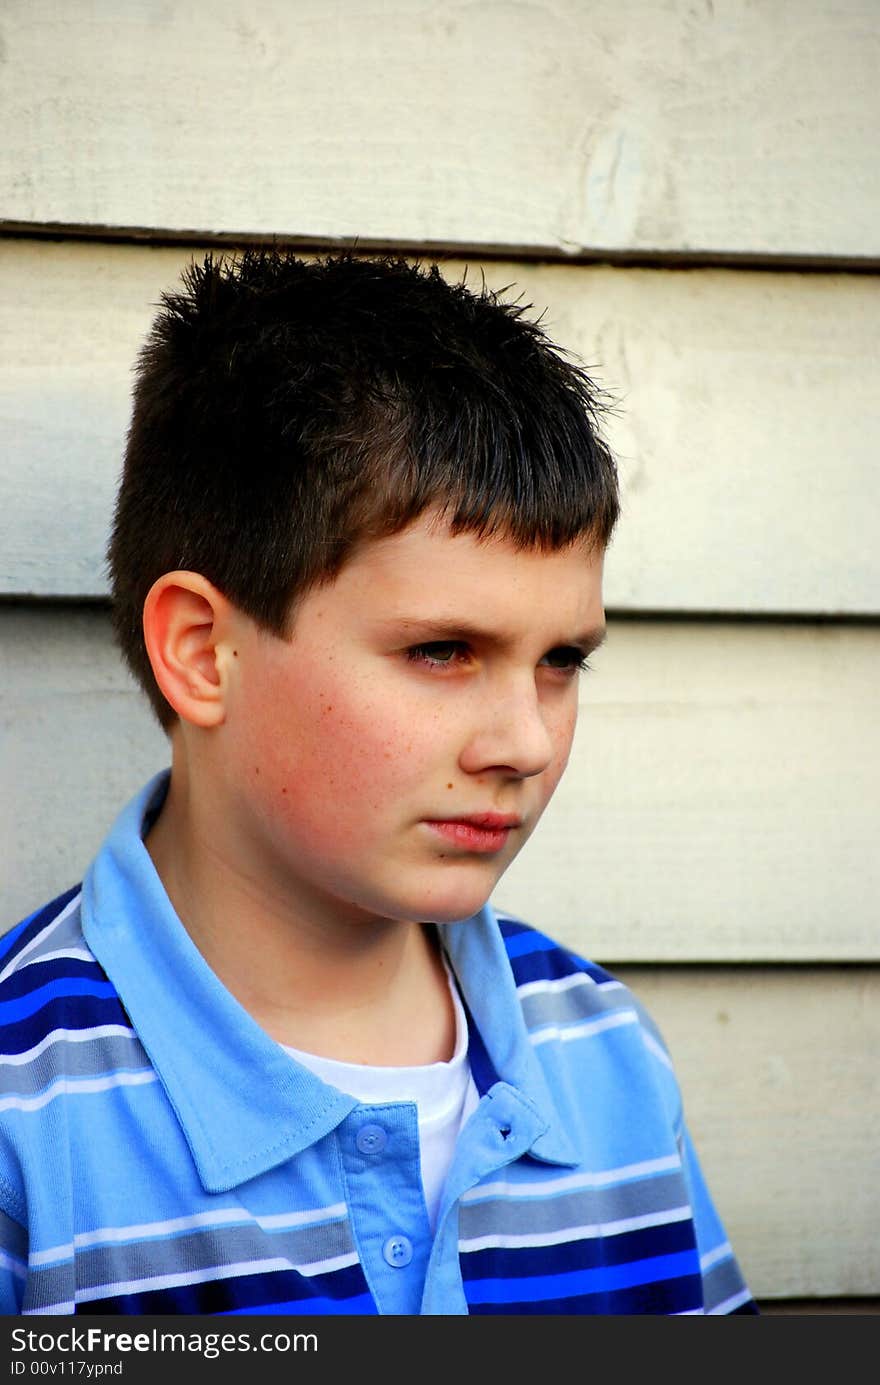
column 746, row 425
column 720, row 804
column 723, row 126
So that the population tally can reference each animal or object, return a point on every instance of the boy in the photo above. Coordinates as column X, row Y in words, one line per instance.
column 279, row 1054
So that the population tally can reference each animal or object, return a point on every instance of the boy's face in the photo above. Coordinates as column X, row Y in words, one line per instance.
column 434, row 679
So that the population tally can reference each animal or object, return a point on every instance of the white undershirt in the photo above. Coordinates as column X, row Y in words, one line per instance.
column 444, row 1093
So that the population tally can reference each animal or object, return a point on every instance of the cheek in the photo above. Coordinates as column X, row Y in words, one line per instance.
column 331, row 752
column 563, row 734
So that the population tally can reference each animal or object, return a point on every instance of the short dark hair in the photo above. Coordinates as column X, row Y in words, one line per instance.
column 287, row 410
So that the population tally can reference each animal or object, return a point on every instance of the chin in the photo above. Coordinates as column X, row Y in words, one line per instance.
column 449, row 905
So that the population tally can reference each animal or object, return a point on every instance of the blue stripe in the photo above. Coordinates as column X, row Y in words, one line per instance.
column 527, row 942
column 604, row 1279
column 549, row 961
column 83, row 1013
column 12, row 1011
column 361, row 1306
column 663, row 1298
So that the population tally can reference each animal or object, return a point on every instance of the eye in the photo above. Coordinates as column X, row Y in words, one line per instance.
column 438, row 654
column 567, row 659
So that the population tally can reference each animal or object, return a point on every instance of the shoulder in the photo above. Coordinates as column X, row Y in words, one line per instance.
column 535, row 956
column 50, row 983
column 63, row 1034
column 566, row 999
column 54, row 924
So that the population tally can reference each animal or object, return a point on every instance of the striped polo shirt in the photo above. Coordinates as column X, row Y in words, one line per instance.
column 160, row 1153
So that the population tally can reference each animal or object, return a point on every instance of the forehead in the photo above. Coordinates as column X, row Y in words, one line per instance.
column 425, row 572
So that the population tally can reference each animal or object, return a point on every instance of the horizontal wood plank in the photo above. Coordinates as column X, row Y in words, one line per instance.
column 720, row 804
column 721, row 800
column 641, row 126
column 746, row 427
column 781, row 1088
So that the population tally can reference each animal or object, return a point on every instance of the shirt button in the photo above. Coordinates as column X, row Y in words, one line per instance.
column 371, row 1139
column 398, row 1251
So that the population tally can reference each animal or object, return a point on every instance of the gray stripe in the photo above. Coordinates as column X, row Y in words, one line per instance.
column 66, row 934
column 721, row 1282
column 89, row 1058
column 13, row 1237
column 203, row 1250
column 507, row 1216
column 575, row 1003
column 46, row 1288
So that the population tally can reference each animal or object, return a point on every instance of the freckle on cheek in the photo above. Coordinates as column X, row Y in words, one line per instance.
column 449, row 786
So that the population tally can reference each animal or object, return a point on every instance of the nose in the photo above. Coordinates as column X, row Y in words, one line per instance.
column 510, row 733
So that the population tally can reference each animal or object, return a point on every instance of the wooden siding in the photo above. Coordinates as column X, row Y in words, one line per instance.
column 721, row 801
column 781, row 1086
column 747, row 424
column 638, row 126
column 720, row 805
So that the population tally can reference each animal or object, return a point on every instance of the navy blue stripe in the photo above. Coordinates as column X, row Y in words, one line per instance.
column 588, row 1253
column 511, row 928
column 32, row 975
column 750, row 1306
column 285, row 1290
column 21, row 933
column 258, row 1292
column 544, row 966
column 481, row 1065
column 85, row 1013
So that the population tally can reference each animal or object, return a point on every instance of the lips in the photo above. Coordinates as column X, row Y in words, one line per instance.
column 492, row 821
column 478, row 832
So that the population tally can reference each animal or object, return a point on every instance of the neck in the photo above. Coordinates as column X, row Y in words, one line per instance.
column 316, row 973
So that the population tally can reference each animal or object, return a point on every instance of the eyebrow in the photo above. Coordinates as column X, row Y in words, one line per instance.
column 444, row 628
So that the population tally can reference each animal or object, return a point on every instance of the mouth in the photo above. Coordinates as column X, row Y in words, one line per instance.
column 478, row 832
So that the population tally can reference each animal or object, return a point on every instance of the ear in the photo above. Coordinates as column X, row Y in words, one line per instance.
column 187, row 628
